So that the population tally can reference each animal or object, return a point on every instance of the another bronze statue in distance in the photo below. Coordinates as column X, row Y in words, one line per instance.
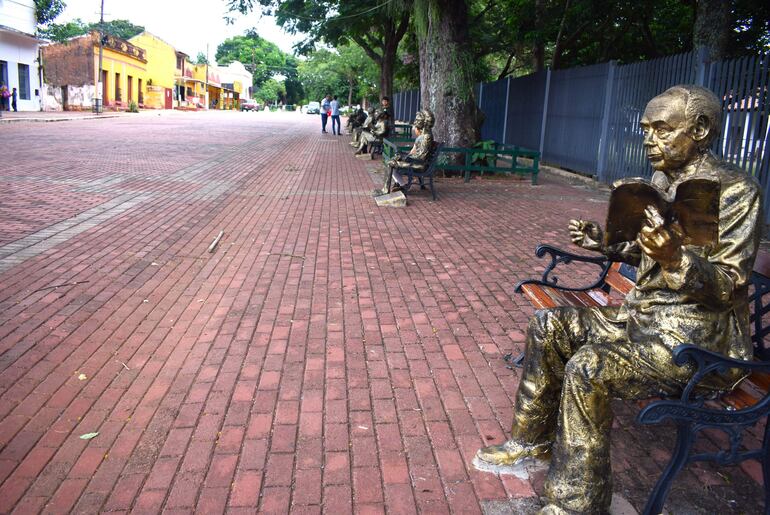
column 578, row 359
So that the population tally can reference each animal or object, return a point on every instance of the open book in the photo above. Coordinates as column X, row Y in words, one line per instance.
column 693, row 203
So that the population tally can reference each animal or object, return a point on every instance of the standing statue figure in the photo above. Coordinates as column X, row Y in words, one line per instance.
column 366, row 125
column 578, row 359
column 380, row 130
column 418, row 156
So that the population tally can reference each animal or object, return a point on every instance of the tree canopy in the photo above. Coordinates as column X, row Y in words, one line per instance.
column 122, row 29
column 266, row 62
column 47, row 10
column 372, row 24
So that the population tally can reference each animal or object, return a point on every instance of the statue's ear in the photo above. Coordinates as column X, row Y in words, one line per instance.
column 701, row 128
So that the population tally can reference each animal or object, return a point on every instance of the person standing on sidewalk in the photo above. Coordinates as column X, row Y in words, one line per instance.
column 13, row 100
column 335, row 110
column 4, row 95
column 325, row 110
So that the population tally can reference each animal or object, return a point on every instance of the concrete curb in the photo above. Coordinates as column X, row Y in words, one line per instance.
column 70, row 119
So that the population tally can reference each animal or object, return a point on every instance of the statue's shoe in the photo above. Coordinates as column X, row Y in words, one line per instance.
column 512, row 451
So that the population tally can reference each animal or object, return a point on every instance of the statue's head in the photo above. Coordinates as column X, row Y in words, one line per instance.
column 429, row 118
column 679, row 126
column 419, row 119
column 370, row 110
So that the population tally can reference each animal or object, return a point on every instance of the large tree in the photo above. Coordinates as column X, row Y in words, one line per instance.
column 369, row 23
column 446, row 70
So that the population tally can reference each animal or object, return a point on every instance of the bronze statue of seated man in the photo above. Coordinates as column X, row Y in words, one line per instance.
column 420, row 152
column 366, row 125
column 578, row 359
column 380, row 130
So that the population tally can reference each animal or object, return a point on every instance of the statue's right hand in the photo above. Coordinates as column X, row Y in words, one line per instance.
column 585, row 234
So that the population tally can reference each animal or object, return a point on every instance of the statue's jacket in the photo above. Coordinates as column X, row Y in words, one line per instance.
column 704, row 301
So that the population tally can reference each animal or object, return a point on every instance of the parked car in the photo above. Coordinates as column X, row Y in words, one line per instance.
column 251, row 105
column 313, row 108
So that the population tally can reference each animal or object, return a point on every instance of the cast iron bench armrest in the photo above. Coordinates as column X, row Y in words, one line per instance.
column 559, row 256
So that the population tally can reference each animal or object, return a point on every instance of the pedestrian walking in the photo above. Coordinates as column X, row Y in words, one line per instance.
column 326, row 110
column 4, row 95
column 13, row 100
column 335, row 110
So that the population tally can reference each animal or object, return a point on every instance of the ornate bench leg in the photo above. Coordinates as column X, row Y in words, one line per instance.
column 685, row 437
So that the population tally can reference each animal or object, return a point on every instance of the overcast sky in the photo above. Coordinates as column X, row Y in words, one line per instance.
column 187, row 25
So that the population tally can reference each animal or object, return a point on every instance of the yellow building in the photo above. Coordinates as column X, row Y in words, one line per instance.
column 123, row 74
column 161, row 70
column 74, row 66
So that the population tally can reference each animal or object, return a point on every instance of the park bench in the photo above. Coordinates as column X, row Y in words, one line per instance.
column 428, row 172
column 497, row 159
column 731, row 412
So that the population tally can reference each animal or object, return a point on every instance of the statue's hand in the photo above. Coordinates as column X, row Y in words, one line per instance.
column 587, row 235
column 662, row 243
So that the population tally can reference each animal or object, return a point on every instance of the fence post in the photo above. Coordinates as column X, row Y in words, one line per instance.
column 701, row 66
column 481, row 93
column 505, row 113
column 545, row 110
column 601, row 165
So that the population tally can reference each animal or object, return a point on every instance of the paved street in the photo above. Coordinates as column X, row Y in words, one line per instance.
column 329, row 355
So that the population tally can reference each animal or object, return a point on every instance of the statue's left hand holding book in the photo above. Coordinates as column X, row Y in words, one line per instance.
column 694, row 203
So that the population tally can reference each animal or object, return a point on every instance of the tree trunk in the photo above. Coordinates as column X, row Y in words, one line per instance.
column 446, row 80
column 350, row 91
column 387, row 68
column 538, row 50
column 712, row 27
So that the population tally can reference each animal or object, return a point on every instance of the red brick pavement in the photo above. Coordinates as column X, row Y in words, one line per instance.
column 329, row 356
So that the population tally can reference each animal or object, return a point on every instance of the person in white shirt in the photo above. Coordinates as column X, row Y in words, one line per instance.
column 335, row 109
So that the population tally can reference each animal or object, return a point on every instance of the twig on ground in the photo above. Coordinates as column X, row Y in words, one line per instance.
column 59, row 286
column 214, row 243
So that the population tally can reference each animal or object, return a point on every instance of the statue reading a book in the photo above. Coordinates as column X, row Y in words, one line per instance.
column 693, row 233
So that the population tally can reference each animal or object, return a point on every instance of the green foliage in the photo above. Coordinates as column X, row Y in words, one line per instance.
column 265, row 61
column 270, row 92
column 47, row 10
column 122, row 29
column 376, row 26
column 346, row 72
column 482, row 158
column 133, row 107
column 201, row 58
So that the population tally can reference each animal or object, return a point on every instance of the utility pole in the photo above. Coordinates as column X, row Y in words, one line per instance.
column 206, row 96
column 99, row 85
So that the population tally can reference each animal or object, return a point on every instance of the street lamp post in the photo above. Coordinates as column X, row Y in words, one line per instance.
column 99, row 84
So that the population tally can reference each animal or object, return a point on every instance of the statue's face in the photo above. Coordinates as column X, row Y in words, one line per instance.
column 667, row 133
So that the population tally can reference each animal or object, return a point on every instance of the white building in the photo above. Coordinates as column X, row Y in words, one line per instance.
column 236, row 77
column 19, row 52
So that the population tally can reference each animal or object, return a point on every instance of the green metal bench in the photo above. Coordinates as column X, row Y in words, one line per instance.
column 501, row 158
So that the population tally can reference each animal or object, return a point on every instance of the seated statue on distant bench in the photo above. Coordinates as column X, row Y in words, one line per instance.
column 356, row 120
column 380, row 130
column 578, row 359
column 418, row 156
column 366, row 125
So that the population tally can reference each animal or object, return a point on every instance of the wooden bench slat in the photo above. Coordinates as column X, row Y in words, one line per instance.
column 617, row 281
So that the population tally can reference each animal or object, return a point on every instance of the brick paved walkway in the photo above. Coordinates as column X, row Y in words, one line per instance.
column 329, row 355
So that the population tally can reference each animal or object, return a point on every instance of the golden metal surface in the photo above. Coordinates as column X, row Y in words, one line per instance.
column 421, row 149
column 578, row 359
